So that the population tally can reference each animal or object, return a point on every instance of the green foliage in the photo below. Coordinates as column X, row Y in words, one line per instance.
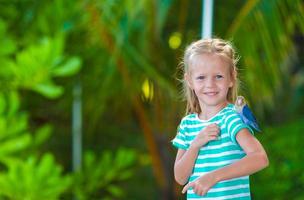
column 8, row 45
column 100, row 176
column 263, row 32
column 121, row 44
column 30, row 64
column 14, row 135
column 37, row 64
column 284, row 178
column 25, row 178
column 124, row 36
column 7, row 48
column 33, row 180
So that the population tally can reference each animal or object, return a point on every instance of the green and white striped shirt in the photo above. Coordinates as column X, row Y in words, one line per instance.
column 216, row 154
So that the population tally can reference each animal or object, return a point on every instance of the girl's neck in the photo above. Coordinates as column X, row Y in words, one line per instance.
column 209, row 112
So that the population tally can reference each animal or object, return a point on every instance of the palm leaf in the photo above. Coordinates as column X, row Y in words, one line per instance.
column 263, row 33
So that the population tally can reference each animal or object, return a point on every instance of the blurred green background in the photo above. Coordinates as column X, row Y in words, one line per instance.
column 124, row 56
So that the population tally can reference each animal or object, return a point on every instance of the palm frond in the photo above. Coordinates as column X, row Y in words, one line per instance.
column 263, row 33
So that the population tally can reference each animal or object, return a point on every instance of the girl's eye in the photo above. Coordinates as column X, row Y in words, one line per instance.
column 219, row 77
column 200, row 78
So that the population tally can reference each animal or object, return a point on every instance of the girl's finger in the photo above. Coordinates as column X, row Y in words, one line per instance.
column 187, row 187
column 213, row 138
column 213, row 126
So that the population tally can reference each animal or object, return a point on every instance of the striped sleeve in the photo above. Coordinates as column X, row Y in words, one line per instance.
column 180, row 141
column 234, row 124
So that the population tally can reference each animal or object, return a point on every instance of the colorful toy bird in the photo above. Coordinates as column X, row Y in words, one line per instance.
column 246, row 114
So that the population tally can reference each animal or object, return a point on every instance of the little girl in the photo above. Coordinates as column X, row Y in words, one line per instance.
column 216, row 150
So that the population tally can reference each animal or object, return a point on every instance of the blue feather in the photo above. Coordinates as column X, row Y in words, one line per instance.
column 249, row 119
column 245, row 113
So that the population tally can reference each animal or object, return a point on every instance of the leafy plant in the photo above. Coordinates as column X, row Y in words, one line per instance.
column 32, row 66
column 14, row 135
column 36, row 65
column 264, row 33
column 284, row 144
column 100, row 177
column 33, row 180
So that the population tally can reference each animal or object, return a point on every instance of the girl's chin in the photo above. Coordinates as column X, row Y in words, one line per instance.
column 213, row 102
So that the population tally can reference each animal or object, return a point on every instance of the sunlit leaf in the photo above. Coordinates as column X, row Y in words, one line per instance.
column 14, row 145
column 49, row 90
column 71, row 67
column 42, row 134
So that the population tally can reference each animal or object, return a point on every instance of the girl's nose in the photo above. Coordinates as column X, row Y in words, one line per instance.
column 210, row 82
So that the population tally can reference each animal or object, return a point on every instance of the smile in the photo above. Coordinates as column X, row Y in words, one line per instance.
column 210, row 93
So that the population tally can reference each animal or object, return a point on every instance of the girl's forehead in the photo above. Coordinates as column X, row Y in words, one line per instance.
column 209, row 61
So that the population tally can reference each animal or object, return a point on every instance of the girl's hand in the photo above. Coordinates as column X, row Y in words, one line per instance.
column 210, row 132
column 202, row 184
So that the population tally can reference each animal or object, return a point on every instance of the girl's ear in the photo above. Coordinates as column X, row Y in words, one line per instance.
column 232, row 81
column 188, row 80
column 233, row 78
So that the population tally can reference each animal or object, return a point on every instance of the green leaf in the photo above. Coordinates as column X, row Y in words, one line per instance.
column 42, row 134
column 72, row 66
column 16, row 144
column 115, row 191
column 126, row 174
column 48, row 90
column 16, row 125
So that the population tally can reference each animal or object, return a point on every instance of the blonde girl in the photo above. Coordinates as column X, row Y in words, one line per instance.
column 217, row 151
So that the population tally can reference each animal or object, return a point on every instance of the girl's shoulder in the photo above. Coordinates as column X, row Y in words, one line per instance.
column 189, row 119
column 190, row 116
column 229, row 112
column 230, row 109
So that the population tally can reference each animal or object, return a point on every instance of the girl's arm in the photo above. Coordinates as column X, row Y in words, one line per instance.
column 185, row 159
column 184, row 164
column 255, row 160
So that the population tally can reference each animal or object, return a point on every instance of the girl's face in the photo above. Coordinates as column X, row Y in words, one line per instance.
column 210, row 78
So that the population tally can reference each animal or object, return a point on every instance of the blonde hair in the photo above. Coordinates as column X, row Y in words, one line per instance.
column 206, row 46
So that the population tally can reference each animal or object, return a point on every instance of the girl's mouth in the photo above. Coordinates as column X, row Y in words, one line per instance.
column 210, row 93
